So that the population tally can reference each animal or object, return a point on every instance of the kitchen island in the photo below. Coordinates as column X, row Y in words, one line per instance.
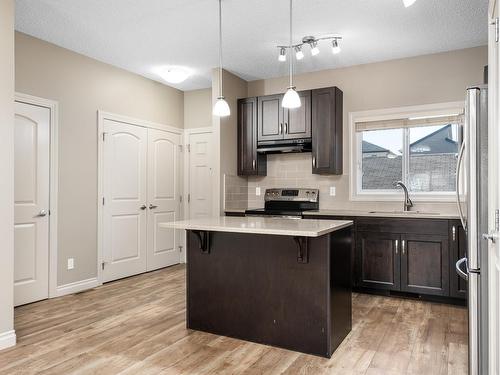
column 275, row 281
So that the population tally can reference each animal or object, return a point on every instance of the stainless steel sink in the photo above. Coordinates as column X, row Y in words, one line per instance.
column 404, row 212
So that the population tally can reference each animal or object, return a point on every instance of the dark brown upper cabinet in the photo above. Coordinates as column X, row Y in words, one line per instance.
column 270, row 118
column 327, row 138
column 424, row 264
column 276, row 123
column 250, row 163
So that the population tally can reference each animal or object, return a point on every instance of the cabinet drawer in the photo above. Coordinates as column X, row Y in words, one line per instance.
column 396, row 225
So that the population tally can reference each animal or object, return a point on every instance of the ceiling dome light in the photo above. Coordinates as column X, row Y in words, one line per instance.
column 314, row 48
column 282, row 56
column 221, row 108
column 299, row 55
column 335, row 46
column 408, row 3
column 291, row 99
column 174, row 75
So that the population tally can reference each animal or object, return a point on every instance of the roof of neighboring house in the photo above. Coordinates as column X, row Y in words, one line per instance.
column 368, row 147
column 439, row 142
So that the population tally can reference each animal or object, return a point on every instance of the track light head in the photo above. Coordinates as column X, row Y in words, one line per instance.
column 299, row 55
column 314, row 48
column 282, row 55
column 408, row 3
column 335, row 46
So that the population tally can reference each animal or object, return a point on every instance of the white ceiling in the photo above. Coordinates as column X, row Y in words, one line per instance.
column 139, row 35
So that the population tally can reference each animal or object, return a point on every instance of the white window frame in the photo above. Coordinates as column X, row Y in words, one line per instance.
column 355, row 191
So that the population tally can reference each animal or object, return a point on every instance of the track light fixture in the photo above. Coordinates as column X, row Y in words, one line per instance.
column 282, row 56
column 299, row 55
column 408, row 3
column 312, row 42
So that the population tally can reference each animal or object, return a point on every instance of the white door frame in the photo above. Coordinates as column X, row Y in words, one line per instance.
column 53, row 107
column 186, row 182
column 101, row 117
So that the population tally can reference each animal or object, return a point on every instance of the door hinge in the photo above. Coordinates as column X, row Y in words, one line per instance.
column 180, row 198
column 495, row 23
column 497, row 220
column 180, row 148
column 189, row 198
column 103, row 201
column 188, row 147
column 103, row 136
column 102, row 265
column 180, row 249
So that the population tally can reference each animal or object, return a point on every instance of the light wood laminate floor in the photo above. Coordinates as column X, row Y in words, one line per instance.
column 137, row 326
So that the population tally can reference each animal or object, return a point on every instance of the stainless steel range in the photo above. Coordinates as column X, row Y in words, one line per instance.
column 287, row 203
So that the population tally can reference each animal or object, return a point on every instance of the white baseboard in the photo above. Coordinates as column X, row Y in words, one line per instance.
column 77, row 286
column 7, row 339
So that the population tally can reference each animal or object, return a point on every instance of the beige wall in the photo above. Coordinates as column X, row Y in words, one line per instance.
column 197, row 108
column 413, row 81
column 7, row 172
column 226, row 129
column 82, row 86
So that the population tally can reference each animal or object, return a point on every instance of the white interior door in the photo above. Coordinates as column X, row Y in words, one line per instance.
column 494, row 194
column 163, row 198
column 31, row 203
column 200, row 175
column 124, row 212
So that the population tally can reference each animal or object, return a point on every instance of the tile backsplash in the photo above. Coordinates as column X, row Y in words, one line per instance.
column 235, row 193
column 295, row 170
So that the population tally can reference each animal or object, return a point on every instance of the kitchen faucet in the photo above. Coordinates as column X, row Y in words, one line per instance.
column 407, row 202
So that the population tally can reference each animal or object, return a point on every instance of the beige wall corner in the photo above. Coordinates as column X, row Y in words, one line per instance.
column 7, row 334
column 197, row 108
column 82, row 86
column 225, row 128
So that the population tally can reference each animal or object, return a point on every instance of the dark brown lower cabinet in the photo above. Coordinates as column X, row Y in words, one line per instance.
column 458, row 250
column 378, row 264
column 425, row 264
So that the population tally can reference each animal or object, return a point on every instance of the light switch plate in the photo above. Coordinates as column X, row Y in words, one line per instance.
column 332, row 191
column 257, row 191
column 71, row 263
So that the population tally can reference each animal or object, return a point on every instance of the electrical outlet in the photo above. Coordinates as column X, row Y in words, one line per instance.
column 257, row 191
column 332, row 191
column 71, row 263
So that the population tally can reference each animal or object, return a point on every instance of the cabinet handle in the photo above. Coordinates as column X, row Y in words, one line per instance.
column 281, row 128
column 286, row 128
column 143, row 207
column 314, row 161
column 403, row 247
column 152, row 206
column 396, row 245
column 253, row 164
column 454, row 233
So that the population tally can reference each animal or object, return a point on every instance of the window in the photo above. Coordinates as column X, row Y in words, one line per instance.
column 418, row 147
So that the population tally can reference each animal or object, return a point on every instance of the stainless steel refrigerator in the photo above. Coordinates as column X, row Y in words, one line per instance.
column 473, row 207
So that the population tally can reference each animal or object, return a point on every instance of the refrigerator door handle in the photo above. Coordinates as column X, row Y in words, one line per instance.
column 459, row 167
column 458, row 267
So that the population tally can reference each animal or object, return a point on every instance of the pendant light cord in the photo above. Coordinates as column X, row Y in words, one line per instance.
column 220, row 49
column 291, row 59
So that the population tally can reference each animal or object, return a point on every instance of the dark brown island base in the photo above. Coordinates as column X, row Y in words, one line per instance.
column 279, row 282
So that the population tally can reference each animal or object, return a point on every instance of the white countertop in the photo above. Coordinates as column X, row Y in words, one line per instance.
column 382, row 213
column 261, row 225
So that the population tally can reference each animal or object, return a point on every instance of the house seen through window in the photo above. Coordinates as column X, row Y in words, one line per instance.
column 421, row 152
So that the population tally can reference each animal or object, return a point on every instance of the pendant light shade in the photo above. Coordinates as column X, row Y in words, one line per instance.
column 291, row 98
column 221, row 108
column 408, row 3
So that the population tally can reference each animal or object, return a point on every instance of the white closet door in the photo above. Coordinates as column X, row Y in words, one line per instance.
column 163, row 198
column 125, row 199
column 31, row 203
column 200, row 175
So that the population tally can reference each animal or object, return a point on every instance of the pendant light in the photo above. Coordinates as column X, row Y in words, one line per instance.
column 221, row 108
column 291, row 98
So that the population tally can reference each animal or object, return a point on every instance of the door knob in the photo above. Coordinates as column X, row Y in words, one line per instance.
column 42, row 213
column 143, row 207
column 152, row 206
